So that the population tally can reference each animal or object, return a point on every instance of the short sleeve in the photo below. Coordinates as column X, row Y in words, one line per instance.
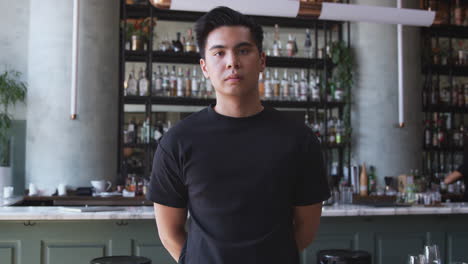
column 166, row 186
column 311, row 183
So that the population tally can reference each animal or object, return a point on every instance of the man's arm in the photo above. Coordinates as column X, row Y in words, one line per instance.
column 452, row 177
column 171, row 228
column 306, row 223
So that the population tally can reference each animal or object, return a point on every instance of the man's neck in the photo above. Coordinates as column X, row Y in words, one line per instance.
column 238, row 107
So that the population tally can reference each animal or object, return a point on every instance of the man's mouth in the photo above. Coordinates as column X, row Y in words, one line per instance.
column 233, row 77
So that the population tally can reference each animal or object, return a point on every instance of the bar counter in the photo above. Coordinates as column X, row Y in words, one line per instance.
column 54, row 234
column 146, row 212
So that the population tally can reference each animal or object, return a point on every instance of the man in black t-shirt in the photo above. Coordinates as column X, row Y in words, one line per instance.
column 252, row 179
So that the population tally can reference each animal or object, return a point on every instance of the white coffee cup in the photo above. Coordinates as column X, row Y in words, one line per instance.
column 100, row 186
column 7, row 192
column 32, row 189
column 62, row 189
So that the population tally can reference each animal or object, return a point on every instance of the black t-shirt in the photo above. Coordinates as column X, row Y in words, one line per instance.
column 463, row 169
column 240, row 179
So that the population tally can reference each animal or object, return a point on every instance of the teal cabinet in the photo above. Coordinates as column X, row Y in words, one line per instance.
column 388, row 238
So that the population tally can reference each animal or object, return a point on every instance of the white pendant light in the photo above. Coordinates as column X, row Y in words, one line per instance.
column 74, row 66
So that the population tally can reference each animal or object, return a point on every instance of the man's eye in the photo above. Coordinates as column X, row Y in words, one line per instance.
column 244, row 51
column 218, row 53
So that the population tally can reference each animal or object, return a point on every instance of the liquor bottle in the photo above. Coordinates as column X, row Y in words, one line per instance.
column 303, row 87
column 173, row 82
column 427, row 134
column 291, row 46
column 190, row 43
column 435, row 132
column 441, row 133
column 268, row 86
column 462, row 136
column 180, row 83
column 177, row 44
column 458, row 13
column 306, row 121
column 154, row 78
column 314, row 88
column 166, row 82
column 132, row 84
column 210, row 93
column 143, row 84
column 285, row 86
column 461, row 96
column 363, row 181
column 307, row 45
column 145, row 131
column 454, row 101
column 372, row 181
column 277, row 46
column 188, row 84
column 194, row 82
column 261, row 85
column 133, row 128
column 296, row 87
column 339, row 132
column 275, row 83
column 435, row 93
column 331, row 132
column 202, row 87
column 455, row 138
column 158, row 90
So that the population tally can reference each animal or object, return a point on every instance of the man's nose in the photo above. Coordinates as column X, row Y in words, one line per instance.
column 232, row 61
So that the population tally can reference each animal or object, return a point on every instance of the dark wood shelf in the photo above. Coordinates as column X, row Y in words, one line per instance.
column 143, row 11
column 446, row 69
column 163, row 100
column 137, row 145
column 443, row 149
column 445, row 109
column 449, row 31
column 194, row 58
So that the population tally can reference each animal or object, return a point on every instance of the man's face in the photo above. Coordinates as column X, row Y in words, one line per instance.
column 232, row 61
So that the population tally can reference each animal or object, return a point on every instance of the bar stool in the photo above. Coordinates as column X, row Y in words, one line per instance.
column 121, row 260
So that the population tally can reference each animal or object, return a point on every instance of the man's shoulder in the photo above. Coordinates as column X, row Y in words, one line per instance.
column 183, row 128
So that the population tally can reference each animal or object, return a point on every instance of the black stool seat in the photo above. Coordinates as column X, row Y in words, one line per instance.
column 121, row 260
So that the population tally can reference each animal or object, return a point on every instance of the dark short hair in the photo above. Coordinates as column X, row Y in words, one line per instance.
column 225, row 16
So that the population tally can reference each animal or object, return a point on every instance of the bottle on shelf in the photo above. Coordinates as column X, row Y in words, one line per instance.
column 177, row 44
column 275, row 83
column 173, row 82
column 458, row 13
column 303, row 87
column 308, row 45
column 291, row 46
column 372, row 181
column 210, row 93
column 180, row 82
column 268, row 86
column 331, row 132
column 277, row 46
column 195, row 82
column 157, row 83
column 285, row 86
column 143, row 84
column 261, row 85
column 339, row 130
column 363, row 181
column 296, row 87
column 166, row 83
column 314, row 89
column 427, row 133
column 190, row 45
column 132, row 84
column 188, row 84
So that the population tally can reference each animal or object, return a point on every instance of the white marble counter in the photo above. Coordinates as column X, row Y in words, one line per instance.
column 146, row 212
column 10, row 201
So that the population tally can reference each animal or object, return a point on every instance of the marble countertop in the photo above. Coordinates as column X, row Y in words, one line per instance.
column 146, row 212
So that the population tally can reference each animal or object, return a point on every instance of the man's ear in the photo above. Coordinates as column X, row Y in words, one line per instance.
column 203, row 68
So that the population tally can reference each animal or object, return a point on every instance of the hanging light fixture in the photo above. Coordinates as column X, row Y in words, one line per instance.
column 74, row 66
column 320, row 10
column 324, row 11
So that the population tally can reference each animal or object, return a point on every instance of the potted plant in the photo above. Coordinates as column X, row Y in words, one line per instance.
column 12, row 90
column 137, row 32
